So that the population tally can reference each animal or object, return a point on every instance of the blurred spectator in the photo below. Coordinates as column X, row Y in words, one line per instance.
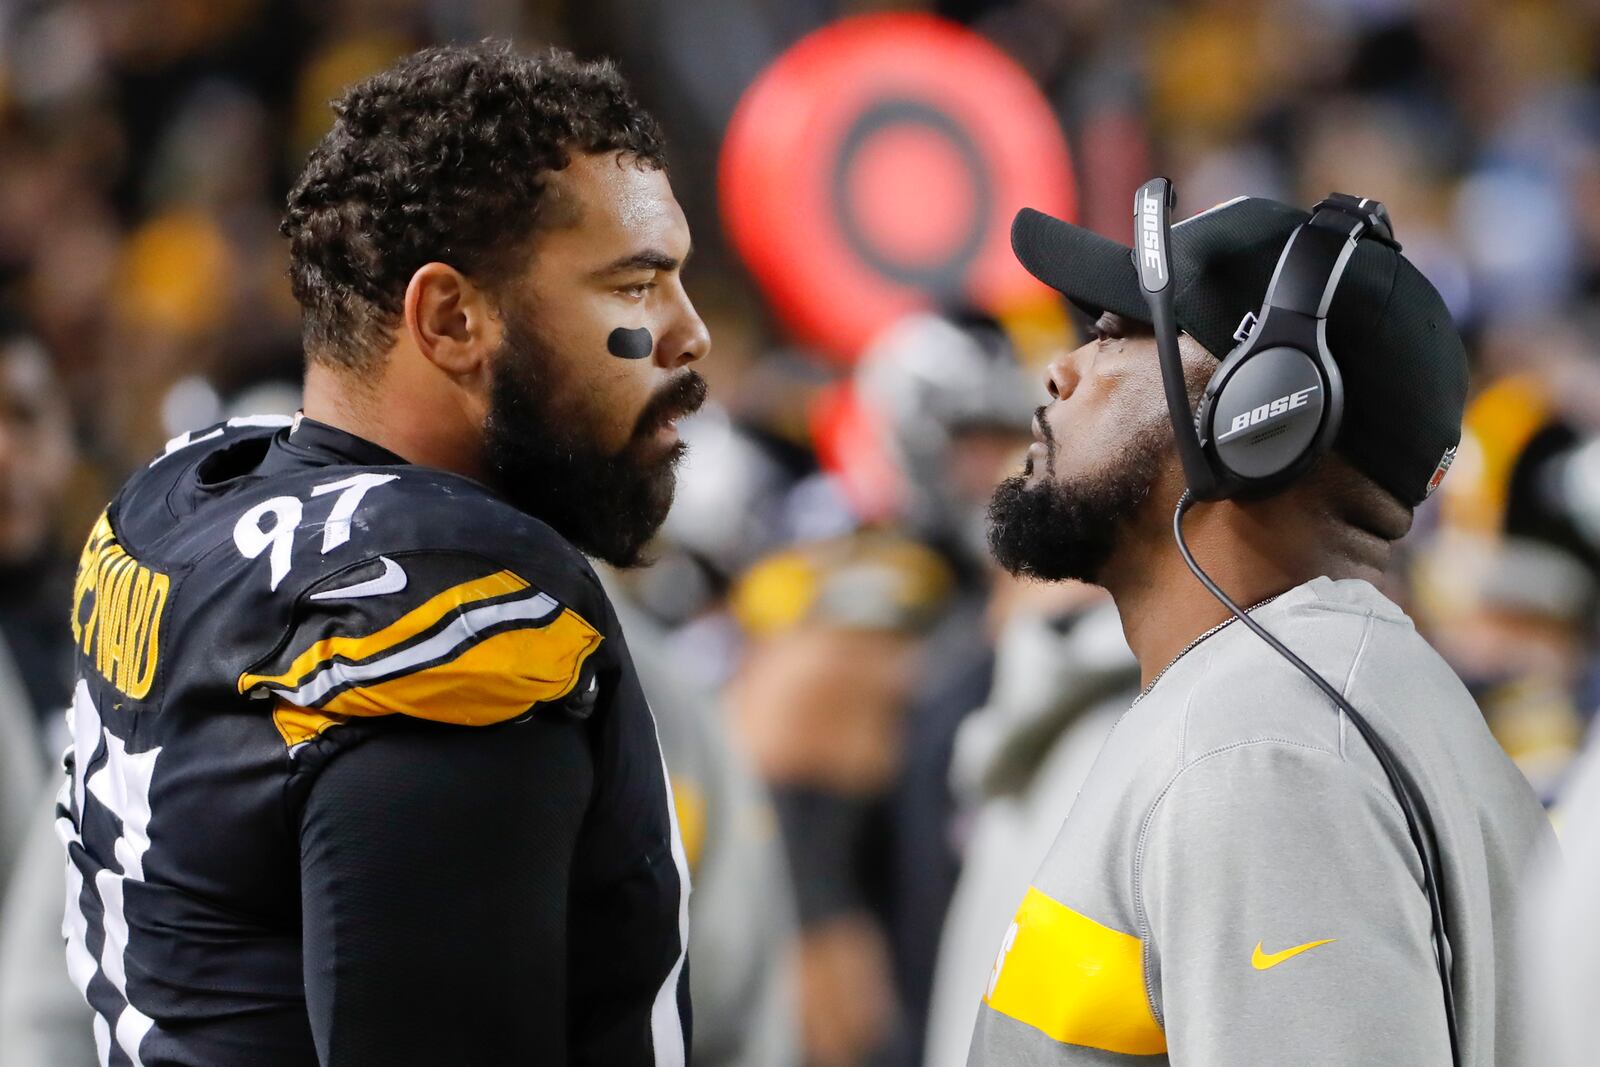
column 1063, row 675
column 37, row 454
column 742, row 931
column 1509, row 584
column 946, row 406
column 729, row 509
column 37, row 460
column 941, row 408
column 819, row 700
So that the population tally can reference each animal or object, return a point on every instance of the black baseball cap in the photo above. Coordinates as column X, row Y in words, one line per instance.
column 1402, row 361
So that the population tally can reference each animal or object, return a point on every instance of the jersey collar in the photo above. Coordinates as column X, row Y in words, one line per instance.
column 331, row 444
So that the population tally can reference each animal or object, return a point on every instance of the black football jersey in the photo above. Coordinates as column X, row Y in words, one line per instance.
column 263, row 599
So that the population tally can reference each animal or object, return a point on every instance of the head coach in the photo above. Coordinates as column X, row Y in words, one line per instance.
column 1300, row 845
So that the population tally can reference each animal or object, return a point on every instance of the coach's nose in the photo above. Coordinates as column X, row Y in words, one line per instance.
column 1061, row 376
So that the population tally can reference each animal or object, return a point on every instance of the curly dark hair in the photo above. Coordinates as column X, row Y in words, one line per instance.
column 441, row 157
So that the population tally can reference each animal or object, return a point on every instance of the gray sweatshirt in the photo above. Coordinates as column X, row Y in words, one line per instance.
column 1235, row 884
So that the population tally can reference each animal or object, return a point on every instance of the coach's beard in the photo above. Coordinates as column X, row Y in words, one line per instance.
column 1056, row 531
column 608, row 505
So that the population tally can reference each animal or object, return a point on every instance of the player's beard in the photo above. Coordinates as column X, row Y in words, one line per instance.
column 1056, row 531
column 540, row 459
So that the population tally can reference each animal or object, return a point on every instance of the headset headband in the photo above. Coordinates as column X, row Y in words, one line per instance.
column 1317, row 253
column 1308, row 272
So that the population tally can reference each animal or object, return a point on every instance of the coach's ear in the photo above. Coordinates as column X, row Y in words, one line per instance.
column 451, row 322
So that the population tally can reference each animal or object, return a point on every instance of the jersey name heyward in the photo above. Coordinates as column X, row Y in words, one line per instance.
column 1265, row 412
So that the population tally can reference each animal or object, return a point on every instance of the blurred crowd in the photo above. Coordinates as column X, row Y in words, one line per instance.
column 873, row 734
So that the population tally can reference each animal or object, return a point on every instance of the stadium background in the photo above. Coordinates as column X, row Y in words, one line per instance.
column 821, row 612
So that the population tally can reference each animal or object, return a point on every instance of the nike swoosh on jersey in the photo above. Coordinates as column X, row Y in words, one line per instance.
column 1262, row 961
column 392, row 580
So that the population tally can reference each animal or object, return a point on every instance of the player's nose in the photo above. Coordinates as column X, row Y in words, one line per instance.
column 688, row 342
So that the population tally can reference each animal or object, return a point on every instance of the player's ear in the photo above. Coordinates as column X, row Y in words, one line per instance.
column 450, row 320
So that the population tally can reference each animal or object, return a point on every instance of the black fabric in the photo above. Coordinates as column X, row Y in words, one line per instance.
column 434, row 872
column 822, row 833
column 427, row 847
column 317, row 442
column 1403, row 363
column 36, row 630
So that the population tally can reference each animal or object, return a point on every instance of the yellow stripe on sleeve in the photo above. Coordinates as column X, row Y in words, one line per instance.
column 1075, row 980
column 414, row 622
column 495, row 679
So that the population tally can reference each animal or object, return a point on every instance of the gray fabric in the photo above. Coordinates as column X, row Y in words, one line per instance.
column 1563, row 987
column 1045, row 679
column 44, row 1020
column 1019, row 762
column 1027, row 1047
column 741, row 910
column 1234, row 806
column 21, row 765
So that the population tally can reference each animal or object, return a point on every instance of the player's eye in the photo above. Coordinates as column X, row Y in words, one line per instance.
column 637, row 291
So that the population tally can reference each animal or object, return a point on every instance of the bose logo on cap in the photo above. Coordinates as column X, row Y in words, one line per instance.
column 1266, row 412
column 1150, row 235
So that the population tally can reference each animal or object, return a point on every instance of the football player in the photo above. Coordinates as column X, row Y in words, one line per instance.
column 362, row 772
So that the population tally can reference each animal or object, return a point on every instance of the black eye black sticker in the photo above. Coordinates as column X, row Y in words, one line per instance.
column 630, row 344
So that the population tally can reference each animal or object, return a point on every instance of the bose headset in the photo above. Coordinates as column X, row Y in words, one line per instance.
column 1270, row 411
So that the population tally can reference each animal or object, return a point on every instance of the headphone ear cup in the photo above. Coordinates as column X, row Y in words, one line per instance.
column 1266, row 416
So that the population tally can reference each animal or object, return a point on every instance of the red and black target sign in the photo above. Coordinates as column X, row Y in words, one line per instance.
column 874, row 169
